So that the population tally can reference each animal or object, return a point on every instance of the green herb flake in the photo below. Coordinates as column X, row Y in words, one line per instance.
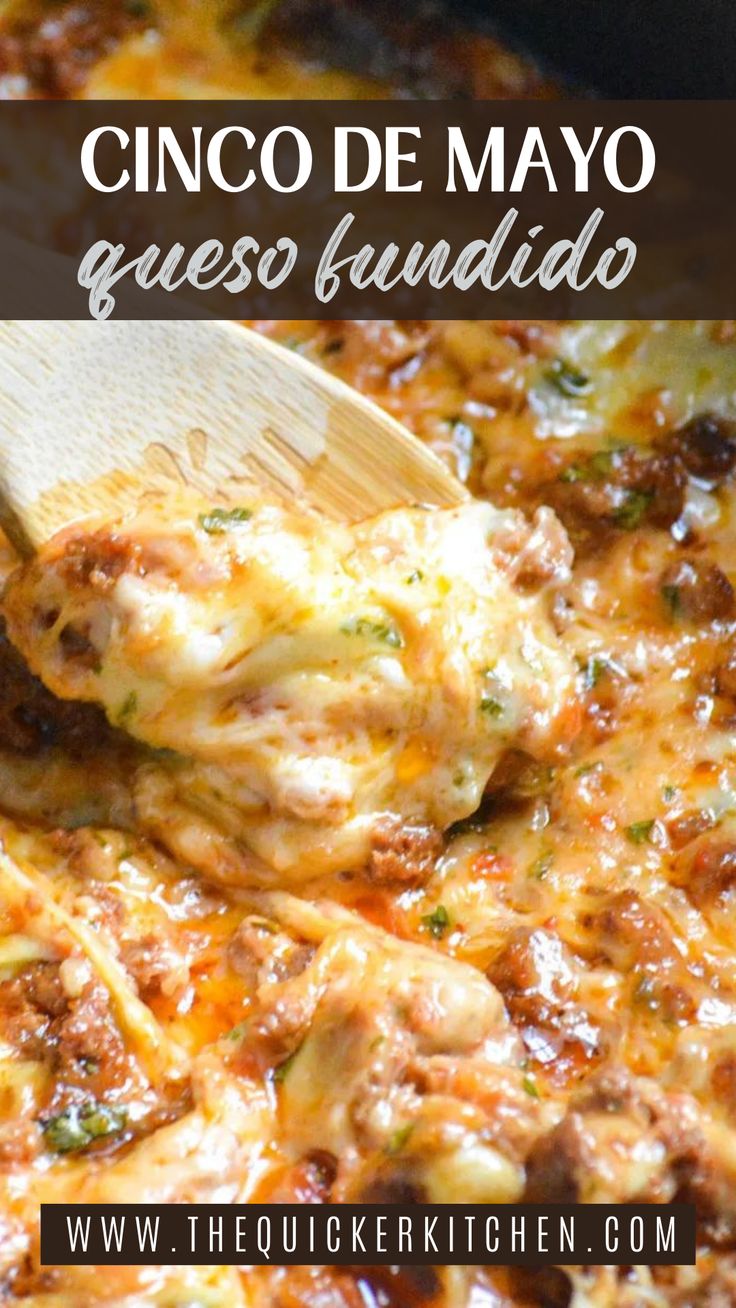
column 399, row 1138
column 531, row 1087
column 601, row 463
column 669, row 793
column 384, row 632
column 79, row 1126
column 492, row 707
column 414, row 577
column 639, row 832
column 594, row 468
column 128, row 708
column 568, row 380
column 574, row 472
column 630, row 514
column 672, row 598
column 595, row 668
column 437, row 921
column 541, row 866
column 218, row 521
column 281, row 1072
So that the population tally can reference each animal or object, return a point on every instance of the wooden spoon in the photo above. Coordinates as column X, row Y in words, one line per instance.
column 90, row 413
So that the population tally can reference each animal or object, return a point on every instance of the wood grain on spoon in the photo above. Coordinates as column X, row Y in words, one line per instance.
column 91, row 413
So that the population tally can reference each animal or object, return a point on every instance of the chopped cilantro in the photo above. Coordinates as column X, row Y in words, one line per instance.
column 631, row 512
column 218, row 521
column 77, row 1127
column 399, row 1138
column 437, row 921
column 672, row 598
column 568, row 380
column 531, row 1086
column 593, row 670
column 383, row 631
column 573, row 472
column 128, row 708
column 280, row 1072
column 491, row 706
column 602, row 462
column 594, row 468
column 416, row 575
column 669, row 793
column 638, row 832
column 541, row 866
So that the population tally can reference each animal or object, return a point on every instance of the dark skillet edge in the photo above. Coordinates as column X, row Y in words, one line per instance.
column 631, row 49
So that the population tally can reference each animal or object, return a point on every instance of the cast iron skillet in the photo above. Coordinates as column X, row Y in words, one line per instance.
column 621, row 49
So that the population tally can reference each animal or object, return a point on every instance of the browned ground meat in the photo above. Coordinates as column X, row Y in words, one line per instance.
column 90, row 1055
column 28, row 1005
column 404, row 853
column 688, row 826
column 150, row 962
column 97, row 560
column 635, row 937
column 55, row 45
column 635, row 934
column 589, row 1153
column 259, row 953
column 616, row 490
column 541, row 1287
column 32, row 718
column 709, row 874
column 706, row 445
column 725, row 677
column 538, row 978
column 77, row 1038
column 534, row 975
column 695, row 590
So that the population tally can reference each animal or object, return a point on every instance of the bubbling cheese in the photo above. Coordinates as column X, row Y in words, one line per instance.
column 311, row 677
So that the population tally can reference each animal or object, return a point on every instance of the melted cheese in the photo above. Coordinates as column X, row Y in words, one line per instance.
column 586, row 893
column 318, row 677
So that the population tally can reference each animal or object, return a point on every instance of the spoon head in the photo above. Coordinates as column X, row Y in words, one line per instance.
column 93, row 413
